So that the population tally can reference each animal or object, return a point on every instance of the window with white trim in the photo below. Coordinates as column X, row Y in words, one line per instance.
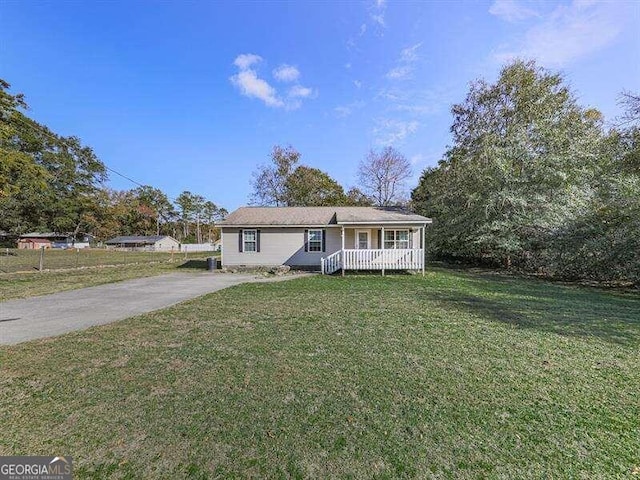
column 315, row 240
column 394, row 239
column 249, row 241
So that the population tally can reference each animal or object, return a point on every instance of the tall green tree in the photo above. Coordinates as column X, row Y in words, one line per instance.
column 603, row 243
column 155, row 205
column 47, row 181
column 312, row 187
column 523, row 159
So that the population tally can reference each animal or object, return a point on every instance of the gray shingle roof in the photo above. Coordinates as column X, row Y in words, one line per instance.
column 146, row 239
column 45, row 235
column 320, row 216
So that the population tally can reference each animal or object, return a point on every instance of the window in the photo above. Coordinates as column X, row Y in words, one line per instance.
column 315, row 240
column 249, row 241
column 394, row 239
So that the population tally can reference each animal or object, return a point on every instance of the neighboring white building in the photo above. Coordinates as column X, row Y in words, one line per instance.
column 197, row 247
column 154, row 243
column 325, row 238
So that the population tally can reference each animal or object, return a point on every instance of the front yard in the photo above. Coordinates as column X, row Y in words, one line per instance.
column 455, row 375
column 24, row 285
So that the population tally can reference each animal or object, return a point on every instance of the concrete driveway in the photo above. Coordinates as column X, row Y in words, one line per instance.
column 50, row 315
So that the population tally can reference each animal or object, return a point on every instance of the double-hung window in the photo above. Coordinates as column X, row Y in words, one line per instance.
column 395, row 239
column 249, row 241
column 315, row 240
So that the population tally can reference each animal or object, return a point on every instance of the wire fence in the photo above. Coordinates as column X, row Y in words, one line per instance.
column 23, row 260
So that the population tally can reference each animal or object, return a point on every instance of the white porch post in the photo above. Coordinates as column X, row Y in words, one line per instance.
column 342, row 252
column 382, row 245
column 424, row 248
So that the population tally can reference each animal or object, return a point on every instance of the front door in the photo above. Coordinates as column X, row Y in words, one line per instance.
column 362, row 240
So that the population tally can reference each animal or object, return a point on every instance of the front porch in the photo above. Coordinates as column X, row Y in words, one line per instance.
column 399, row 247
column 373, row 259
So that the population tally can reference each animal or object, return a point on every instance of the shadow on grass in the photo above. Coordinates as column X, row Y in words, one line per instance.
column 194, row 265
column 559, row 309
column 374, row 273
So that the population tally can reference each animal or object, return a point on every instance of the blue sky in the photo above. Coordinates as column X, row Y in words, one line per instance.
column 193, row 95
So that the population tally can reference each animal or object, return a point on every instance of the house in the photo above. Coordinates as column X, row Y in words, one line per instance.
column 36, row 240
column 152, row 243
column 324, row 238
column 33, row 243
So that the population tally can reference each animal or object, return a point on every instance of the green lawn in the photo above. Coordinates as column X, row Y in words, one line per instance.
column 23, row 285
column 455, row 375
column 17, row 260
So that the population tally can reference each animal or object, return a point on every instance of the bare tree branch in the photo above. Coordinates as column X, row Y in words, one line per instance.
column 383, row 175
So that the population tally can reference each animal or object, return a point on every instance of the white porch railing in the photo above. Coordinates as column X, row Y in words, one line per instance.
column 374, row 259
column 332, row 263
column 378, row 259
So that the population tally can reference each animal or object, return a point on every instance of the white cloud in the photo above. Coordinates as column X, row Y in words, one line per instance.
column 357, row 83
column 570, row 32
column 343, row 111
column 393, row 131
column 298, row 91
column 250, row 85
column 511, row 10
column 363, row 29
column 425, row 101
column 404, row 67
column 400, row 73
column 286, row 73
column 410, row 54
column 245, row 60
column 377, row 11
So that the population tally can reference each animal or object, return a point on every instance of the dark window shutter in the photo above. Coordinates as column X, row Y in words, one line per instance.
column 257, row 240
column 379, row 239
column 306, row 240
column 324, row 240
column 240, row 244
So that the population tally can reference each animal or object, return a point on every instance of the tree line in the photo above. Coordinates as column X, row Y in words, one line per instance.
column 285, row 182
column 49, row 182
column 535, row 181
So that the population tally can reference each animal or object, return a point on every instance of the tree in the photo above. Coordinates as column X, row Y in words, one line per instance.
column 186, row 206
column 269, row 181
column 523, row 159
column 155, row 204
column 47, row 181
column 312, row 187
column 630, row 102
column 198, row 203
column 210, row 214
column 357, row 198
column 383, row 174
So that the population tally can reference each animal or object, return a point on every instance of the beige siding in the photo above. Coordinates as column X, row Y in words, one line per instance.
column 278, row 246
column 166, row 245
column 285, row 246
column 350, row 235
